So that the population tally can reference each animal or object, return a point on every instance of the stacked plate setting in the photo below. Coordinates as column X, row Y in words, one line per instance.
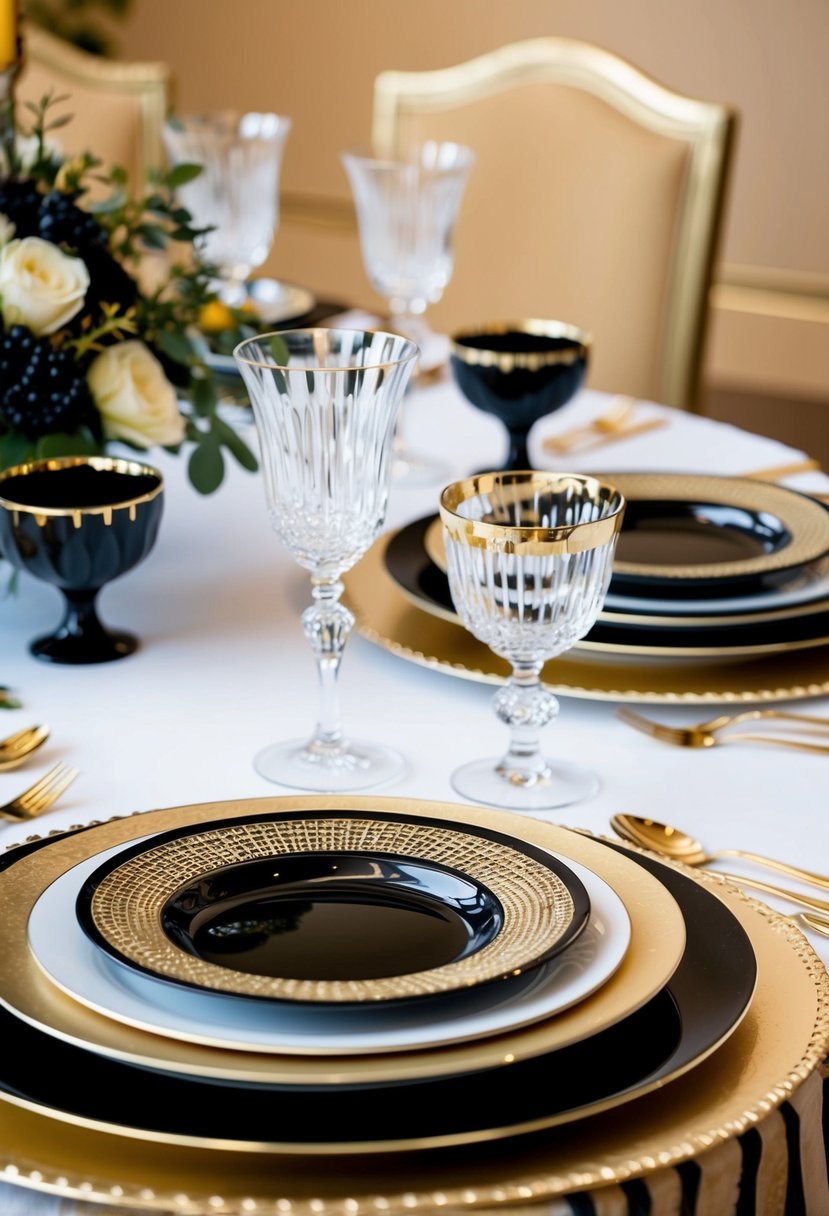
column 213, row 994
column 720, row 592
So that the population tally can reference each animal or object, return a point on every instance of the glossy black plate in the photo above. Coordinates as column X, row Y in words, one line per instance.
column 413, row 570
column 278, row 915
column 705, row 999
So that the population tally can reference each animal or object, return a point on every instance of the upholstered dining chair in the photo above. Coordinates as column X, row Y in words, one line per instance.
column 596, row 199
column 117, row 107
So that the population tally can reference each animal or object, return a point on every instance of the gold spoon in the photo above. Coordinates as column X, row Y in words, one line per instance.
column 673, row 843
column 18, row 747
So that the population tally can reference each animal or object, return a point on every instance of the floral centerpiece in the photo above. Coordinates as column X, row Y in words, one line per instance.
column 88, row 355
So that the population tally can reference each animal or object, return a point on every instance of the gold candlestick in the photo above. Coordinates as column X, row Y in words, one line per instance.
column 11, row 57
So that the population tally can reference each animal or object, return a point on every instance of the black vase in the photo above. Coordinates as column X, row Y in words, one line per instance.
column 79, row 522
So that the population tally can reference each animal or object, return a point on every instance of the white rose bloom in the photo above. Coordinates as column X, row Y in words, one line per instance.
column 136, row 401
column 40, row 285
column 6, row 229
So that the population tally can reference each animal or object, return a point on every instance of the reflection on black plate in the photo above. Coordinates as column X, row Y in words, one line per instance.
column 702, row 1004
column 409, row 564
column 334, row 906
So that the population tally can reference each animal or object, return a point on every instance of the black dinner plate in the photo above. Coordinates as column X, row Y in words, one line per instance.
column 315, row 907
column 409, row 564
column 703, row 1002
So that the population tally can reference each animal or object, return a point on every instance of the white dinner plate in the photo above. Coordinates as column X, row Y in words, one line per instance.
column 807, row 586
column 88, row 975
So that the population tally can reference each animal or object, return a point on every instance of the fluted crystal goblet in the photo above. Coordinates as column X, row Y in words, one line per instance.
column 407, row 207
column 237, row 192
column 529, row 558
column 325, row 403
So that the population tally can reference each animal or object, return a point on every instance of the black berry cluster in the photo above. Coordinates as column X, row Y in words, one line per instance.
column 63, row 222
column 42, row 389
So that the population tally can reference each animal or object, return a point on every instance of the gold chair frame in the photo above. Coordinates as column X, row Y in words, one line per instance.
column 707, row 128
column 147, row 82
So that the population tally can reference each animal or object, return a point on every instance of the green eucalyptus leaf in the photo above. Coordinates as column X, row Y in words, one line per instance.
column 153, row 236
column 65, row 445
column 280, row 352
column 203, row 395
column 15, row 449
column 235, row 444
column 176, row 346
column 206, row 467
column 181, row 174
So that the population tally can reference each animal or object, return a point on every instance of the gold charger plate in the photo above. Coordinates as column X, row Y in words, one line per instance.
column 657, row 942
column 780, row 1043
column 388, row 617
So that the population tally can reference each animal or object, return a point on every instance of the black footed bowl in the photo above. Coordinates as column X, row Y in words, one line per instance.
column 519, row 371
column 79, row 522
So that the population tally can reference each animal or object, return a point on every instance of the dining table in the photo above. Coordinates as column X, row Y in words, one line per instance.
column 223, row 669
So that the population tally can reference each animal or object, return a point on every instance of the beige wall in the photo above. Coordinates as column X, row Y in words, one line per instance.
column 317, row 61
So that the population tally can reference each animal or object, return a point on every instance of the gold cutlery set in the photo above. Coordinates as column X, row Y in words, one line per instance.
column 43, row 793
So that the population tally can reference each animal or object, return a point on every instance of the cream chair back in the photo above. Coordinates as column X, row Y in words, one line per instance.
column 117, row 108
column 596, row 199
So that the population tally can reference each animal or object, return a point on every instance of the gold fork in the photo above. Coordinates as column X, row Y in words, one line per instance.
column 707, row 734
column 606, row 424
column 40, row 796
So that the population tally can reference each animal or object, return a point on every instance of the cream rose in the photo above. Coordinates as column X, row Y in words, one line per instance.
column 40, row 285
column 6, row 229
column 136, row 401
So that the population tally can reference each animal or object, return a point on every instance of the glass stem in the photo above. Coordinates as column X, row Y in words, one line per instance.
column 525, row 706
column 327, row 624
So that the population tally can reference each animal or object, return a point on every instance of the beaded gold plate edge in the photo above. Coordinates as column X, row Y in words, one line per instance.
column 778, row 1045
column 387, row 617
column 539, row 909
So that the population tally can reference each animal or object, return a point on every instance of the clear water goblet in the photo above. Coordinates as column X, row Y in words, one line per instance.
column 325, row 402
column 529, row 558
column 237, row 192
column 406, row 213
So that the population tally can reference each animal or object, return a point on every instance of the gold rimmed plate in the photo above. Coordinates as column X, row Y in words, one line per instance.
column 657, row 936
column 78, row 968
column 701, row 1006
column 425, row 584
column 693, row 535
column 391, row 618
column 334, row 908
column 694, row 1014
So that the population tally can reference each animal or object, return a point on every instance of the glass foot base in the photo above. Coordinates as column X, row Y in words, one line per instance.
column 101, row 647
column 301, row 766
column 561, row 785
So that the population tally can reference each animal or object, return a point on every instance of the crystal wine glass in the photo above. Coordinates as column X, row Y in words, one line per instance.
column 406, row 212
column 325, row 403
column 529, row 558
column 237, row 192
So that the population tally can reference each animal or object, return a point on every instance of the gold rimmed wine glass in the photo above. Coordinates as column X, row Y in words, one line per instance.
column 325, row 403
column 529, row 558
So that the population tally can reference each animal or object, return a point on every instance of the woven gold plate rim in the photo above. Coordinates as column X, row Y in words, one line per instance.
column 389, row 618
column 657, row 943
column 656, row 648
column 538, row 908
column 777, row 1047
column 804, row 517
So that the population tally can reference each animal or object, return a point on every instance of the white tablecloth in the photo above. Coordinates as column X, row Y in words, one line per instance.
column 224, row 669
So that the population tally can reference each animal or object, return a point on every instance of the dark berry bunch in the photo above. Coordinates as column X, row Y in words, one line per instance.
column 63, row 222
column 42, row 389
